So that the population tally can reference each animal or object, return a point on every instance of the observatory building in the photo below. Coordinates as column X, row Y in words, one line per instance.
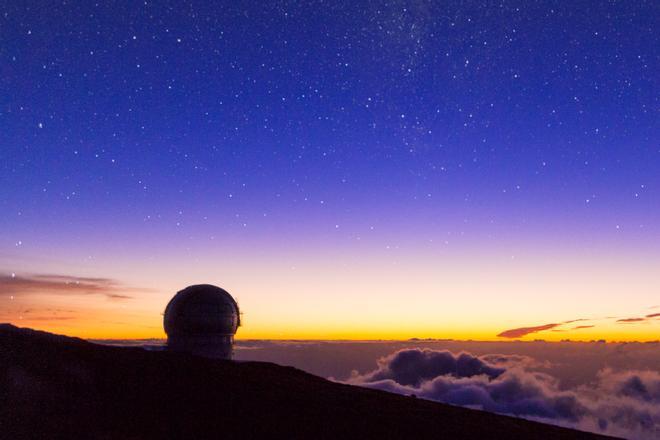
column 202, row 320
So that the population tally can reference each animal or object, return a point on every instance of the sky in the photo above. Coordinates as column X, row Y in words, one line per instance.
column 467, row 170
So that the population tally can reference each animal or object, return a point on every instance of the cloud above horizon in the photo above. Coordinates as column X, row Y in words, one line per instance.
column 523, row 331
column 53, row 284
column 620, row 403
column 516, row 333
column 520, row 332
column 646, row 318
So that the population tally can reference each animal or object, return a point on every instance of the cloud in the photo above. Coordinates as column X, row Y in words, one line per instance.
column 633, row 320
column 117, row 296
column 555, row 327
column 410, row 367
column 12, row 284
column 523, row 331
column 619, row 403
column 638, row 385
column 509, row 360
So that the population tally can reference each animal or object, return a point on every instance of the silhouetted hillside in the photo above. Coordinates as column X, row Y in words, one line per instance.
column 59, row 387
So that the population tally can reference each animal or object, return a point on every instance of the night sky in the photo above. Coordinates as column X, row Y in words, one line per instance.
column 345, row 169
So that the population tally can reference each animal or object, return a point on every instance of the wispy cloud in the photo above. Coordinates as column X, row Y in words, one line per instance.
column 561, row 327
column 117, row 296
column 638, row 319
column 15, row 285
column 554, row 327
column 523, row 331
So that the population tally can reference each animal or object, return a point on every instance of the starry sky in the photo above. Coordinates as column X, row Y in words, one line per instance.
column 345, row 169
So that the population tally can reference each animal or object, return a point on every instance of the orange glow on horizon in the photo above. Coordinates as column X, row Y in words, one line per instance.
column 150, row 327
column 465, row 296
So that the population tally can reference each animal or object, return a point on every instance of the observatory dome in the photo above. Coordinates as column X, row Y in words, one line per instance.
column 202, row 319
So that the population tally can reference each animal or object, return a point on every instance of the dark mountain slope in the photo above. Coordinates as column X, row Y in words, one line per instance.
column 58, row 387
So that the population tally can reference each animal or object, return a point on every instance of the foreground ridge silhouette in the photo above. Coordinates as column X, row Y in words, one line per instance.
column 59, row 387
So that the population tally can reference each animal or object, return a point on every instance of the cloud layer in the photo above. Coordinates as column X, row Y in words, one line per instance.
column 12, row 284
column 623, row 403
